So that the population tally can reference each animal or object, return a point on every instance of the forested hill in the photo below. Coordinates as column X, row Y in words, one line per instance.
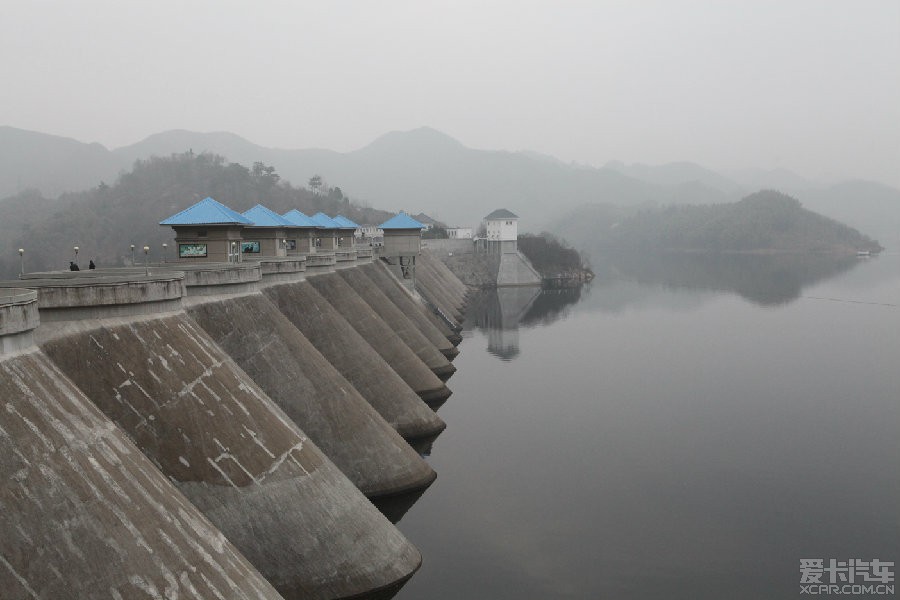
column 767, row 221
column 107, row 219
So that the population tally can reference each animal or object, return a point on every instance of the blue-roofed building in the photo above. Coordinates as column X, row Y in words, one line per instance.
column 344, row 221
column 301, row 236
column 346, row 232
column 208, row 231
column 402, row 243
column 402, row 221
column 326, row 231
column 267, row 236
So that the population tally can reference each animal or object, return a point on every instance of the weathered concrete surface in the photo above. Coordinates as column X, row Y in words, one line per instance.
column 219, row 278
column 348, row 351
column 381, row 337
column 18, row 317
column 432, row 295
column 236, row 456
column 403, row 325
column 18, row 310
column 84, row 514
column 449, row 276
column 448, row 284
column 442, row 288
column 312, row 393
column 282, row 269
column 71, row 298
column 412, row 309
column 516, row 270
column 405, row 300
column 475, row 269
column 440, row 295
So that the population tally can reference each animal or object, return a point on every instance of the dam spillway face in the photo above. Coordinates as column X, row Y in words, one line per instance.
column 403, row 325
column 381, row 337
column 355, row 359
column 434, row 287
column 326, row 406
column 85, row 513
column 193, row 413
column 413, row 307
column 233, row 453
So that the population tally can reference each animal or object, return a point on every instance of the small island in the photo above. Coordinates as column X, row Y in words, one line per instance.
column 765, row 222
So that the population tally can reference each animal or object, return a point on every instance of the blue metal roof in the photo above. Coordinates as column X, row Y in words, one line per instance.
column 323, row 221
column 401, row 221
column 207, row 212
column 344, row 222
column 298, row 219
column 263, row 217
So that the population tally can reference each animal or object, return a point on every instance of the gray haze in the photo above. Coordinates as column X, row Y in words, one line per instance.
column 810, row 86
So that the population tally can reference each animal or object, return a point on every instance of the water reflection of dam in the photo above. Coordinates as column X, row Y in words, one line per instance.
column 500, row 312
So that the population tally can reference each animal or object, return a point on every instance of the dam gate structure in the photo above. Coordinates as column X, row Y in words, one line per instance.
column 217, row 426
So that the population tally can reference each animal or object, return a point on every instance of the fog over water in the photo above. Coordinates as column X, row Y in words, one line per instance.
column 668, row 437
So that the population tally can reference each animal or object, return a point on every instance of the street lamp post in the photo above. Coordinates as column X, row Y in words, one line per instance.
column 22, row 262
column 76, row 254
column 165, row 252
column 132, row 255
column 146, row 264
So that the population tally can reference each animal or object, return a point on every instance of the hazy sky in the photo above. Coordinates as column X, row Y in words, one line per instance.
column 812, row 86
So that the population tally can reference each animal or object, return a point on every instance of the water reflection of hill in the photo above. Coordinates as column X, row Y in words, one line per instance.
column 761, row 279
column 551, row 305
column 499, row 313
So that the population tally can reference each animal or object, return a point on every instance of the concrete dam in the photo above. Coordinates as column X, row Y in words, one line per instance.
column 218, row 430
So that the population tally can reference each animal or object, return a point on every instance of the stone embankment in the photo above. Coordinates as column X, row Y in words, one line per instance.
column 215, row 431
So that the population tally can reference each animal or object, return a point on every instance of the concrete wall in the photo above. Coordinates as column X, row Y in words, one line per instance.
column 269, row 238
column 327, row 239
column 448, row 246
column 403, row 325
column 312, row 393
column 502, row 229
column 303, row 239
column 220, row 242
column 87, row 515
column 516, row 270
column 402, row 242
column 18, row 317
column 122, row 339
column 411, row 308
column 69, row 297
column 344, row 255
column 212, row 431
column 352, row 355
column 380, row 337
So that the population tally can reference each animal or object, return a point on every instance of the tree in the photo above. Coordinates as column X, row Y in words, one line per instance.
column 315, row 183
column 265, row 173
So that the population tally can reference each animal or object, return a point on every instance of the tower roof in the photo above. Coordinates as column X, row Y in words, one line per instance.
column 401, row 221
column 323, row 221
column 207, row 212
column 344, row 222
column 298, row 219
column 501, row 213
column 263, row 217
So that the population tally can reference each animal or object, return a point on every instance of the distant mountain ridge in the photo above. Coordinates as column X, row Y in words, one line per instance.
column 763, row 222
column 424, row 170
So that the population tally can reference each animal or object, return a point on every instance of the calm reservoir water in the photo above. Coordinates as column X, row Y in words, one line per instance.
column 681, row 428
